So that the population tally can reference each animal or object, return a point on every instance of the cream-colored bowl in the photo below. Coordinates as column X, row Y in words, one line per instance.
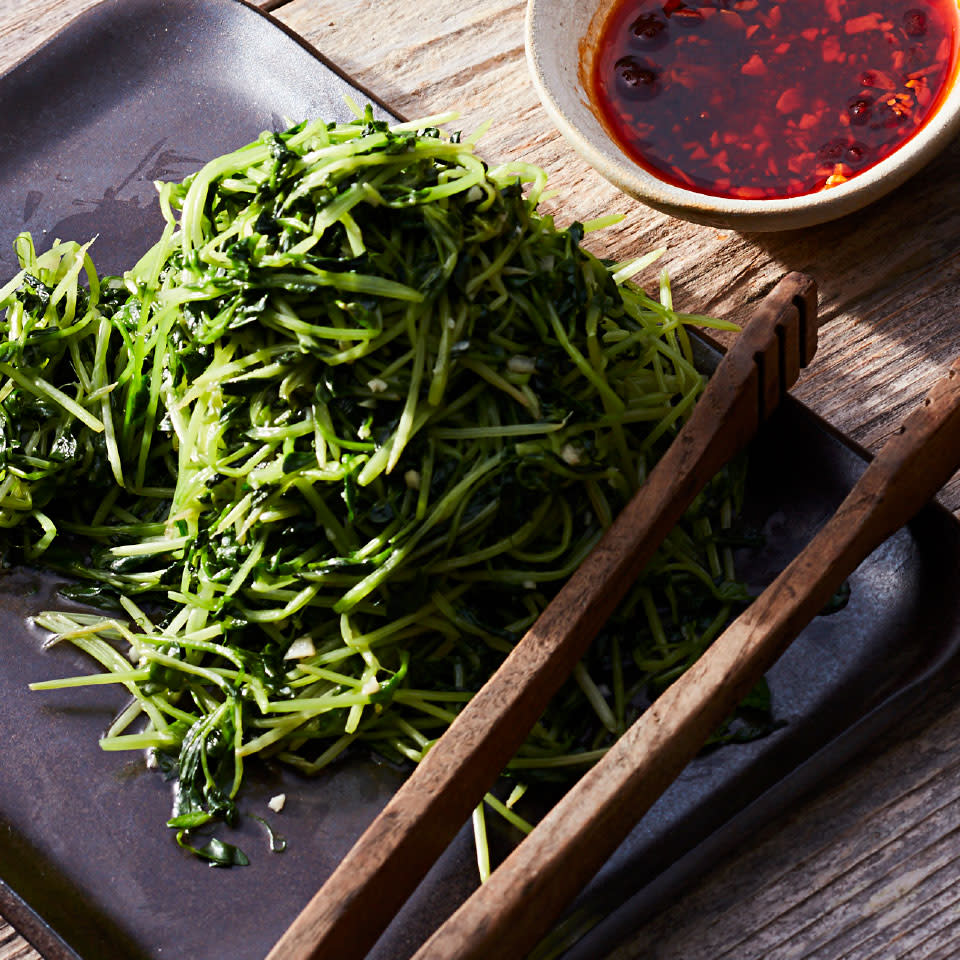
column 557, row 39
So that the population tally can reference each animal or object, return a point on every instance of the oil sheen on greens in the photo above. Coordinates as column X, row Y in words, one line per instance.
column 326, row 451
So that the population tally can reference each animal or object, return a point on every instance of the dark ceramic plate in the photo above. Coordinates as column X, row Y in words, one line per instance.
column 137, row 90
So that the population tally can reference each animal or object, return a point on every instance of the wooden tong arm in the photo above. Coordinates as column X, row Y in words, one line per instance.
column 345, row 918
column 509, row 914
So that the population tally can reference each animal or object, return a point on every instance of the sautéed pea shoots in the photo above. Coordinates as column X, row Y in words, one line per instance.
column 322, row 456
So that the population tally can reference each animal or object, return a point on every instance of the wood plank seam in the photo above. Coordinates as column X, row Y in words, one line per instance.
column 468, row 74
column 12, row 945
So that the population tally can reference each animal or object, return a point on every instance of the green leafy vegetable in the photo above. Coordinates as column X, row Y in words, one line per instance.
column 330, row 447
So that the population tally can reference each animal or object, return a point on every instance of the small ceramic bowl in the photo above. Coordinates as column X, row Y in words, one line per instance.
column 558, row 53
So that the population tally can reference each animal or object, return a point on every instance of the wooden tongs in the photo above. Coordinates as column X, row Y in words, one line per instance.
column 510, row 912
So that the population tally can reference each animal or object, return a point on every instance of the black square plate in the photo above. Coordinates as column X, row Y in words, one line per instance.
column 138, row 90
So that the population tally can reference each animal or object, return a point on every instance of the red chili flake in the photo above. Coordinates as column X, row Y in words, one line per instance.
column 771, row 99
column 790, row 100
column 879, row 79
column 831, row 50
column 920, row 90
column 733, row 20
column 870, row 21
column 772, row 19
column 688, row 16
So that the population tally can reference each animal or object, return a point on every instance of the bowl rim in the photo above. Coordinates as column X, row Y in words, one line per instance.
column 757, row 214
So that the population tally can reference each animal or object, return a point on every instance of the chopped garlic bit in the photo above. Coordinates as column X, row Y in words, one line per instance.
column 301, row 648
column 276, row 803
column 412, row 479
column 570, row 454
column 519, row 364
column 371, row 687
column 152, row 762
column 837, row 177
column 376, row 385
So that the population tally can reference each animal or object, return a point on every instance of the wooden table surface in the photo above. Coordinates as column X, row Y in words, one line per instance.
column 868, row 866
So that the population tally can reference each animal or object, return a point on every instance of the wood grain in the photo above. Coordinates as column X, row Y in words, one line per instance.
column 870, row 867
column 25, row 26
column 13, row 946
